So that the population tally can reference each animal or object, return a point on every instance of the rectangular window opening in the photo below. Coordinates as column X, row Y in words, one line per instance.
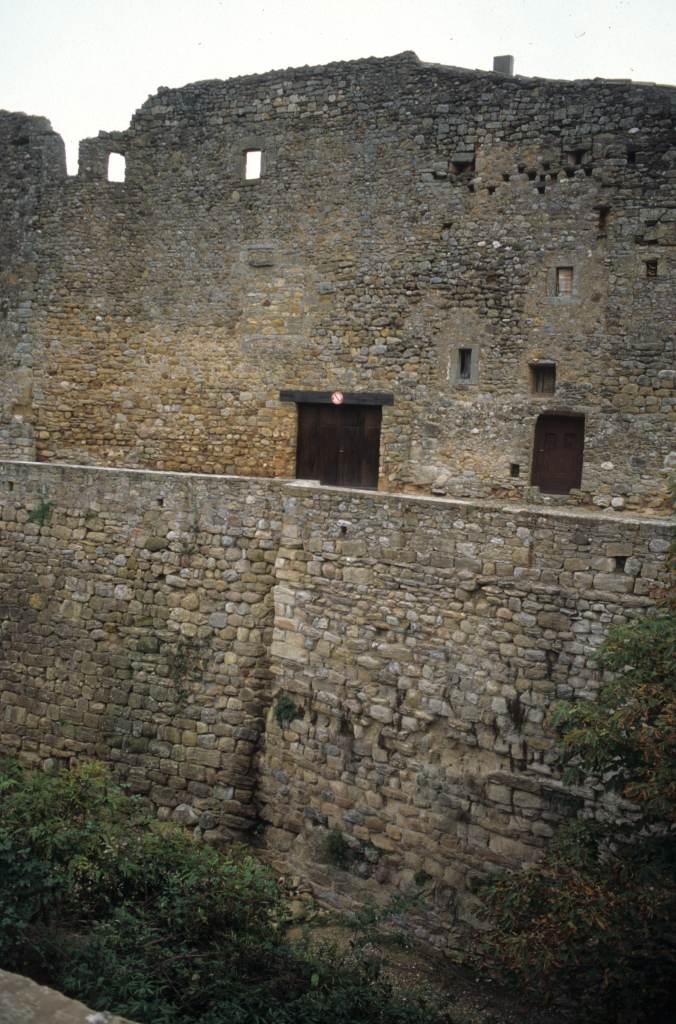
column 252, row 164
column 651, row 268
column 464, row 364
column 576, row 156
column 461, row 166
column 631, row 156
column 543, row 379
column 514, row 469
column 564, row 280
column 603, row 212
column 117, row 167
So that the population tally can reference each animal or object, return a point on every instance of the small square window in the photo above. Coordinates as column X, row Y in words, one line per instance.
column 564, row 280
column 514, row 469
column 464, row 364
column 651, row 268
column 543, row 379
column 253, row 159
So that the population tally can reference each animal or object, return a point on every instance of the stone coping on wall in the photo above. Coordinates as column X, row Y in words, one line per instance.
column 313, row 486
column 410, row 57
column 122, row 470
column 508, row 507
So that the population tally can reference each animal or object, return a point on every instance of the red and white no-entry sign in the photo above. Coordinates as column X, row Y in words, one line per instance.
column 337, row 397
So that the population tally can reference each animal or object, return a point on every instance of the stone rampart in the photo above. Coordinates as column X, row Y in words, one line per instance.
column 405, row 650
column 423, row 644
column 136, row 624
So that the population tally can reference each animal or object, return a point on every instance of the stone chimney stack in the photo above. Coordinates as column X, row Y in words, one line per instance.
column 504, row 65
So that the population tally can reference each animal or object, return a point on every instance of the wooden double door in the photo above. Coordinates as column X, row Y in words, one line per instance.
column 339, row 445
column 557, row 453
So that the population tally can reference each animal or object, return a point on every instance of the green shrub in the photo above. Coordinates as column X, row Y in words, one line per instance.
column 285, row 710
column 338, row 851
column 42, row 513
column 137, row 918
column 594, row 921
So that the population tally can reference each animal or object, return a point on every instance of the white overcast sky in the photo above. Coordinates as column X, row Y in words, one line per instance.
column 88, row 64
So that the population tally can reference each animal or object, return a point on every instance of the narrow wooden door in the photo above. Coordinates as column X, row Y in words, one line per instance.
column 339, row 445
column 557, row 453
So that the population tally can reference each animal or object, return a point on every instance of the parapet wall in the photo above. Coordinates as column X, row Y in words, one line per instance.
column 406, row 668
column 423, row 643
column 136, row 625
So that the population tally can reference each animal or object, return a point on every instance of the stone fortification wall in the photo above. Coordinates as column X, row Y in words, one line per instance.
column 32, row 161
column 405, row 651
column 422, row 644
column 136, row 618
column 404, row 212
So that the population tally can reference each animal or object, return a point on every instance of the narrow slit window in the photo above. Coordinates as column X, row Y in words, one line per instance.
column 464, row 364
column 514, row 469
column 117, row 167
column 564, row 280
column 651, row 268
column 543, row 379
column 631, row 156
column 253, row 159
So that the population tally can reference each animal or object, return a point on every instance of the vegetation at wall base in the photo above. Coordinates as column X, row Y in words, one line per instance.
column 139, row 918
column 594, row 923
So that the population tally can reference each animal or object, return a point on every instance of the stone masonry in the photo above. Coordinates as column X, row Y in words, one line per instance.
column 162, row 621
column 359, row 678
column 136, row 624
column 404, row 212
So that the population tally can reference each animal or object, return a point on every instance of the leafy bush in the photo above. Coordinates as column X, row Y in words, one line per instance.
column 628, row 734
column 285, row 710
column 338, row 850
column 42, row 513
column 140, row 919
column 595, row 920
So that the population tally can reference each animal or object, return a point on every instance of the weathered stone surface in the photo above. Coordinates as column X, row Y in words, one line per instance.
column 22, row 1001
column 405, row 212
column 420, row 690
column 133, row 653
column 151, row 619
column 433, row 743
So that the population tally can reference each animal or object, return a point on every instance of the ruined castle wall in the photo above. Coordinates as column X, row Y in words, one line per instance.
column 315, row 660
column 422, row 644
column 32, row 161
column 404, row 211
column 136, row 620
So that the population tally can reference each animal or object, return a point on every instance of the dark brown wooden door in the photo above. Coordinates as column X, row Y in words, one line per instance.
column 339, row 445
column 557, row 453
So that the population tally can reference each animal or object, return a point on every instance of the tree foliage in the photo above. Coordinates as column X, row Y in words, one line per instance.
column 594, row 923
column 142, row 920
column 628, row 736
